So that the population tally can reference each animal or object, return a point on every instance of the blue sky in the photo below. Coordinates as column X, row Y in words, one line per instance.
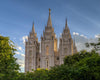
column 17, row 16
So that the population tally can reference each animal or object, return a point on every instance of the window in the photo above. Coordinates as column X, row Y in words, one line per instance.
column 39, row 59
column 47, row 63
column 52, row 37
column 57, row 58
column 47, row 50
column 34, row 42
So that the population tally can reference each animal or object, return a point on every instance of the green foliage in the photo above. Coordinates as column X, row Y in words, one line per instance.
column 95, row 46
column 8, row 65
column 62, row 72
column 81, row 66
column 72, row 59
column 88, row 68
column 41, row 74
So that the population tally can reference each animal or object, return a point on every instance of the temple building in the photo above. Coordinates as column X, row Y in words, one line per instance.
column 50, row 54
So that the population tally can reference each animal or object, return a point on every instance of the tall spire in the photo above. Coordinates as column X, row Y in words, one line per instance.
column 66, row 29
column 33, row 30
column 66, row 26
column 74, row 46
column 49, row 23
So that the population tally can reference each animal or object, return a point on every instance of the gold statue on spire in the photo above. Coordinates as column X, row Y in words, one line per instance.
column 49, row 23
column 49, row 10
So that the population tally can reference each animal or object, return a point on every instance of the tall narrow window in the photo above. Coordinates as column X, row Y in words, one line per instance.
column 47, row 50
column 47, row 63
column 52, row 37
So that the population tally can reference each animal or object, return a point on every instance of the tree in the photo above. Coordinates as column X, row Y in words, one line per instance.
column 61, row 72
column 96, row 46
column 82, row 66
column 72, row 59
column 87, row 68
column 8, row 66
column 41, row 74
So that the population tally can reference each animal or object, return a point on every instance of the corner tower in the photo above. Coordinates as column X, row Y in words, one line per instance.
column 66, row 44
column 48, row 45
column 32, row 52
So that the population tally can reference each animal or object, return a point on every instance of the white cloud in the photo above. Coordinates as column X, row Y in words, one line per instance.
column 22, row 65
column 83, row 36
column 19, row 48
column 75, row 33
column 97, row 36
column 60, row 33
column 17, row 52
column 80, row 41
column 21, row 62
column 23, row 55
column 20, row 59
column 24, row 38
column 20, row 53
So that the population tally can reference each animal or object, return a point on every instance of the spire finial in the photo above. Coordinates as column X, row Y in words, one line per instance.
column 33, row 30
column 33, row 22
column 49, row 11
column 49, row 23
column 66, row 21
column 66, row 26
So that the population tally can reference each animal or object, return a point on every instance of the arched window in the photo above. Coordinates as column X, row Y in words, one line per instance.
column 57, row 58
column 39, row 59
column 47, row 50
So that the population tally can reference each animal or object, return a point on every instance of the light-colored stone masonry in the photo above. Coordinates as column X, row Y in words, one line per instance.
column 50, row 55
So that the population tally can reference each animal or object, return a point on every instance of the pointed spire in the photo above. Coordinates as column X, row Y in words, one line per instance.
column 33, row 30
column 74, row 46
column 66, row 26
column 66, row 29
column 49, row 23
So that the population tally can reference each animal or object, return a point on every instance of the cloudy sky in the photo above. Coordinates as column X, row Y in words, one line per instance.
column 17, row 16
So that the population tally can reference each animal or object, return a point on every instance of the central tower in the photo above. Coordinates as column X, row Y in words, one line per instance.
column 48, row 45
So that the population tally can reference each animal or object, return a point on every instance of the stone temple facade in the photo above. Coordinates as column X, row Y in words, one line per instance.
column 49, row 55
